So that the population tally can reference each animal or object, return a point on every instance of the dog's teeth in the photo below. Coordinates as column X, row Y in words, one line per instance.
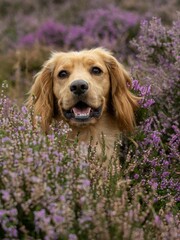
column 80, row 112
column 82, row 115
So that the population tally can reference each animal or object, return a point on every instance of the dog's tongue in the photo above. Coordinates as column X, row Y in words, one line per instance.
column 81, row 112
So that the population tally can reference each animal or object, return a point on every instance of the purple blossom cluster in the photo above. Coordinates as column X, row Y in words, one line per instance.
column 157, row 64
column 109, row 25
column 145, row 93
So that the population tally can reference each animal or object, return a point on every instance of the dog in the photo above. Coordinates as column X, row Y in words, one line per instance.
column 89, row 90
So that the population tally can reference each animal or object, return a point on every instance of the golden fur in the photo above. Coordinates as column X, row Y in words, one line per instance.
column 108, row 89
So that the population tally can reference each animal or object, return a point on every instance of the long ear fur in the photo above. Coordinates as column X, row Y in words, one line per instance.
column 123, row 101
column 41, row 95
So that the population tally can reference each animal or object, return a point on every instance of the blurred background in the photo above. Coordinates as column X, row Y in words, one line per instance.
column 31, row 29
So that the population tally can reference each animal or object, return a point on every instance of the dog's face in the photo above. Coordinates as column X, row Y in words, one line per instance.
column 80, row 87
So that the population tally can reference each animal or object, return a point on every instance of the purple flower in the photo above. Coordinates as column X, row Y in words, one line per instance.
column 156, row 137
column 51, row 33
column 2, row 213
column 6, row 139
column 72, row 237
column 5, row 195
column 58, row 219
column 28, row 40
column 136, row 176
column 157, row 220
column 85, row 183
column 40, row 214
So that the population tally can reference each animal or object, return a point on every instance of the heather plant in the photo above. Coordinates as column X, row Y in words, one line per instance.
column 111, row 26
column 55, row 188
column 50, row 189
column 18, row 18
column 157, row 63
column 64, row 11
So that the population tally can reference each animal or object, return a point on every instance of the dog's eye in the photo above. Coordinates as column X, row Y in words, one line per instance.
column 63, row 74
column 96, row 71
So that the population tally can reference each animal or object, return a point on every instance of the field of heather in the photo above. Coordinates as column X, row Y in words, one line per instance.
column 48, row 189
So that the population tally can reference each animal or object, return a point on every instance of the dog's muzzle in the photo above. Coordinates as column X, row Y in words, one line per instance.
column 82, row 112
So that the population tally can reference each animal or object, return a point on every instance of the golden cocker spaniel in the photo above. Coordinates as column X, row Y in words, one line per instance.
column 89, row 90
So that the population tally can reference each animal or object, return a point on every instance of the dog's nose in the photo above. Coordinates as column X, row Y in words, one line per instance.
column 79, row 87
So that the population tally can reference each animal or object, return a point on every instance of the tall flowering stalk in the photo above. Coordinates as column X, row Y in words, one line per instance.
column 157, row 64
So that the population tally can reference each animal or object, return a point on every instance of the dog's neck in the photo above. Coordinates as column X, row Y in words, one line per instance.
column 105, row 132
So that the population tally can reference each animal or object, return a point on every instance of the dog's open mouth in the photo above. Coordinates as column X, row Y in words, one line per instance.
column 82, row 112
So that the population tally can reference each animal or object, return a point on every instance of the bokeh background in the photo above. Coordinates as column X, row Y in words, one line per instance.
column 30, row 30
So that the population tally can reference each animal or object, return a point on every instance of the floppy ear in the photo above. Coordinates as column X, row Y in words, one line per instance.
column 123, row 101
column 41, row 95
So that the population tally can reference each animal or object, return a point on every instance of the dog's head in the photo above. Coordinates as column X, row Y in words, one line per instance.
column 80, row 86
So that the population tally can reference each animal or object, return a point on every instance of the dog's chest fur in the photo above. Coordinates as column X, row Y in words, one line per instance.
column 102, row 135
